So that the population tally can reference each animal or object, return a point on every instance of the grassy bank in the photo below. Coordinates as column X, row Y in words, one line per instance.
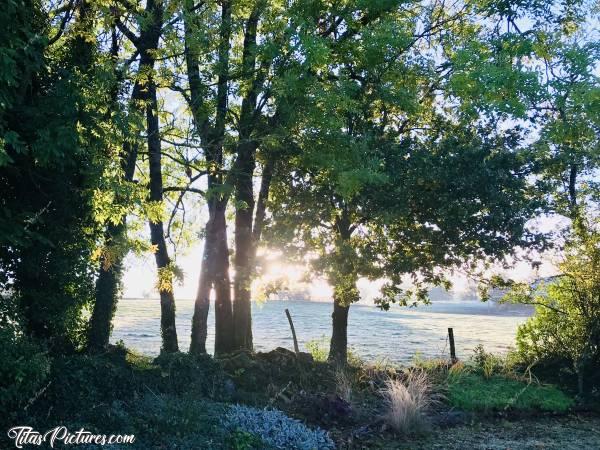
column 282, row 400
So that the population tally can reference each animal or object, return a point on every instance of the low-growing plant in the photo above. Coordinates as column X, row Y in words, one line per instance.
column 24, row 367
column 407, row 402
column 456, row 370
column 242, row 440
column 275, row 428
column 487, row 363
column 318, row 349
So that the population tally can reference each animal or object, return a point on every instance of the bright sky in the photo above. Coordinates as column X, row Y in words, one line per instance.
column 140, row 275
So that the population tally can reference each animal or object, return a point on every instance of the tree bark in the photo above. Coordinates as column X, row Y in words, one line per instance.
column 107, row 290
column 244, row 193
column 222, row 281
column 244, row 246
column 202, row 303
column 106, row 294
column 167, row 300
column 345, row 291
column 215, row 261
column 338, row 350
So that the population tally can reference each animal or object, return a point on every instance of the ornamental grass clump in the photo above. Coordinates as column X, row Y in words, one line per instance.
column 276, row 429
column 407, row 402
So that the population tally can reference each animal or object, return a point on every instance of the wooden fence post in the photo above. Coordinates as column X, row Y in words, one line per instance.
column 287, row 313
column 452, row 347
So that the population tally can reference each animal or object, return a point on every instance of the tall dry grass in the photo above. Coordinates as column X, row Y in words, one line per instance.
column 407, row 402
column 344, row 385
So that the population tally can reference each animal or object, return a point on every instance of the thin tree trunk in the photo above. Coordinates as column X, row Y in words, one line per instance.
column 244, row 246
column 202, row 303
column 106, row 294
column 345, row 291
column 244, row 193
column 223, row 311
column 107, row 290
column 201, row 124
column 109, row 277
column 215, row 261
column 167, row 300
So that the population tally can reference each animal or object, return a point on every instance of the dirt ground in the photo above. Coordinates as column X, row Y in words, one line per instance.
column 565, row 433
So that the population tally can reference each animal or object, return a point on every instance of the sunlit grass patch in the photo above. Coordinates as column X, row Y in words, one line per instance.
column 474, row 392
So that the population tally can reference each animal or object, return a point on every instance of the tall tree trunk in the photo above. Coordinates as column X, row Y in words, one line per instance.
column 338, row 350
column 167, row 300
column 108, row 290
column 244, row 193
column 201, row 124
column 223, row 310
column 215, row 260
column 202, row 303
column 244, row 246
column 106, row 293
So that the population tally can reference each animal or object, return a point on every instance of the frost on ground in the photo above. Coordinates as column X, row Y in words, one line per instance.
column 276, row 429
column 567, row 433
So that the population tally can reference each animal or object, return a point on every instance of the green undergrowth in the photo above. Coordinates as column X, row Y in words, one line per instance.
column 173, row 401
column 474, row 392
column 179, row 401
column 491, row 383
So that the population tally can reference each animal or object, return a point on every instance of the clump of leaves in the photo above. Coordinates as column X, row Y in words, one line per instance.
column 487, row 363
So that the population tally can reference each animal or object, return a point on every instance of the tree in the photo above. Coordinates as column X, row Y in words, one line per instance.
column 55, row 147
column 214, row 269
column 394, row 174
column 564, row 331
column 236, row 122
column 143, row 114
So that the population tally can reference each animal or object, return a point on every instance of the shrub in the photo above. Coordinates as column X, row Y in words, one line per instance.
column 24, row 366
column 275, row 428
column 487, row 363
column 318, row 349
column 565, row 329
column 197, row 374
column 407, row 402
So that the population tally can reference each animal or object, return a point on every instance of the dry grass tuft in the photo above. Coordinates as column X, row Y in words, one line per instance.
column 344, row 385
column 407, row 402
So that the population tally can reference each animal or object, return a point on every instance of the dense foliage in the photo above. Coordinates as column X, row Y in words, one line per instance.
column 54, row 158
column 565, row 330
column 391, row 140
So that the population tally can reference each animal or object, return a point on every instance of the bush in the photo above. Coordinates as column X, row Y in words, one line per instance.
column 407, row 402
column 565, row 329
column 488, row 364
column 318, row 349
column 192, row 374
column 275, row 428
column 24, row 367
